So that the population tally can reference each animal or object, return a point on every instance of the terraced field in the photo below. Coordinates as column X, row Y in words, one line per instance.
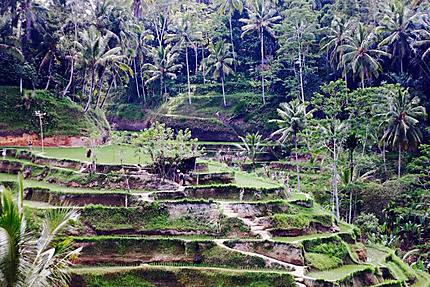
column 136, row 230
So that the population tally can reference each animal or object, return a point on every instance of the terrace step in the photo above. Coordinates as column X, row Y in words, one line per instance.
column 295, row 270
column 256, row 228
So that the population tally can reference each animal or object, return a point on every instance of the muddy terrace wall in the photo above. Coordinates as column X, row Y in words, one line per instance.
column 232, row 192
column 72, row 178
column 75, row 199
column 132, row 251
column 183, row 277
column 163, row 219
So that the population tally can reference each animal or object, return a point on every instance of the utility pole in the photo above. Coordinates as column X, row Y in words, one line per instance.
column 40, row 115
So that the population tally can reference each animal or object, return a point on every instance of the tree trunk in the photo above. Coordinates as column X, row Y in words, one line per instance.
column 384, row 159
column 90, row 95
column 399, row 168
column 142, row 83
column 223, row 90
column 345, row 75
column 365, row 139
column 100, row 86
column 196, row 53
column 107, row 92
column 161, row 88
column 262, row 64
column 72, row 69
column 231, row 40
column 188, row 76
column 203, row 65
column 350, row 208
column 302, row 88
column 135, row 78
column 49, row 75
column 351, row 165
column 334, row 181
column 297, row 164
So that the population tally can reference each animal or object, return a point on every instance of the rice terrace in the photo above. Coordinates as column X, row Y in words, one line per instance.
column 214, row 143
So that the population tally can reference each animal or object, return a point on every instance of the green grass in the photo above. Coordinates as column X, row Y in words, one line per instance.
column 63, row 117
column 107, row 154
column 322, row 261
column 242, row 178
column 337, row 273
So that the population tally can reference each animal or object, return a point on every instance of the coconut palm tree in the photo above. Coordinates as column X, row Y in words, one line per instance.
column 96, row 56
column 400, row 124
column 184, row 35
column 164, row 66
column 251, row 146
column 27, row 260
column 337, row 34
column 359, row 55
column 398, row 27
column 228, row 7
column 219, row 62
column 261, row 19
column 293, row 117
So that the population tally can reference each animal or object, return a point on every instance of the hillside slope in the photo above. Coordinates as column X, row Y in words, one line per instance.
column 63, row 117
column 206, row 117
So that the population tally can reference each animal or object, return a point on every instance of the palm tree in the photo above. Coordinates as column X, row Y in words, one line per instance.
column 164, row 66
column 97, row 57
column 251, row 146
column 398, row 27
column 220, row 61
column 293, row 117
column 261, row 19
column 228, row 7
column 400, row 124
column 338, row 32
column 27, row 260
column 10, row 44
column 360, row 56
column 184, row 35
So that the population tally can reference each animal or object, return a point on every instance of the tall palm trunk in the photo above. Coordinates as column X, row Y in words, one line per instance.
column 231, row 39
column 143, row 84
column 111, row 81
column 365, row 139
column 49, row 75
column 203, row 65
column 297, row 164
column 90, row 94
column 135, row 78
column 384, row 159
column 350, row 207
column 399, row 167
column 262, row 64
column 302, row 88
column 223, row 90
column 72, row 69
column 100, row 86
column 196, row 58
column 188, row 76
column 334, row 181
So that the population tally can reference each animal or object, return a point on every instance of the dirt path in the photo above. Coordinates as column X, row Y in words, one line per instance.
column 255, row 227
column 295, row 270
